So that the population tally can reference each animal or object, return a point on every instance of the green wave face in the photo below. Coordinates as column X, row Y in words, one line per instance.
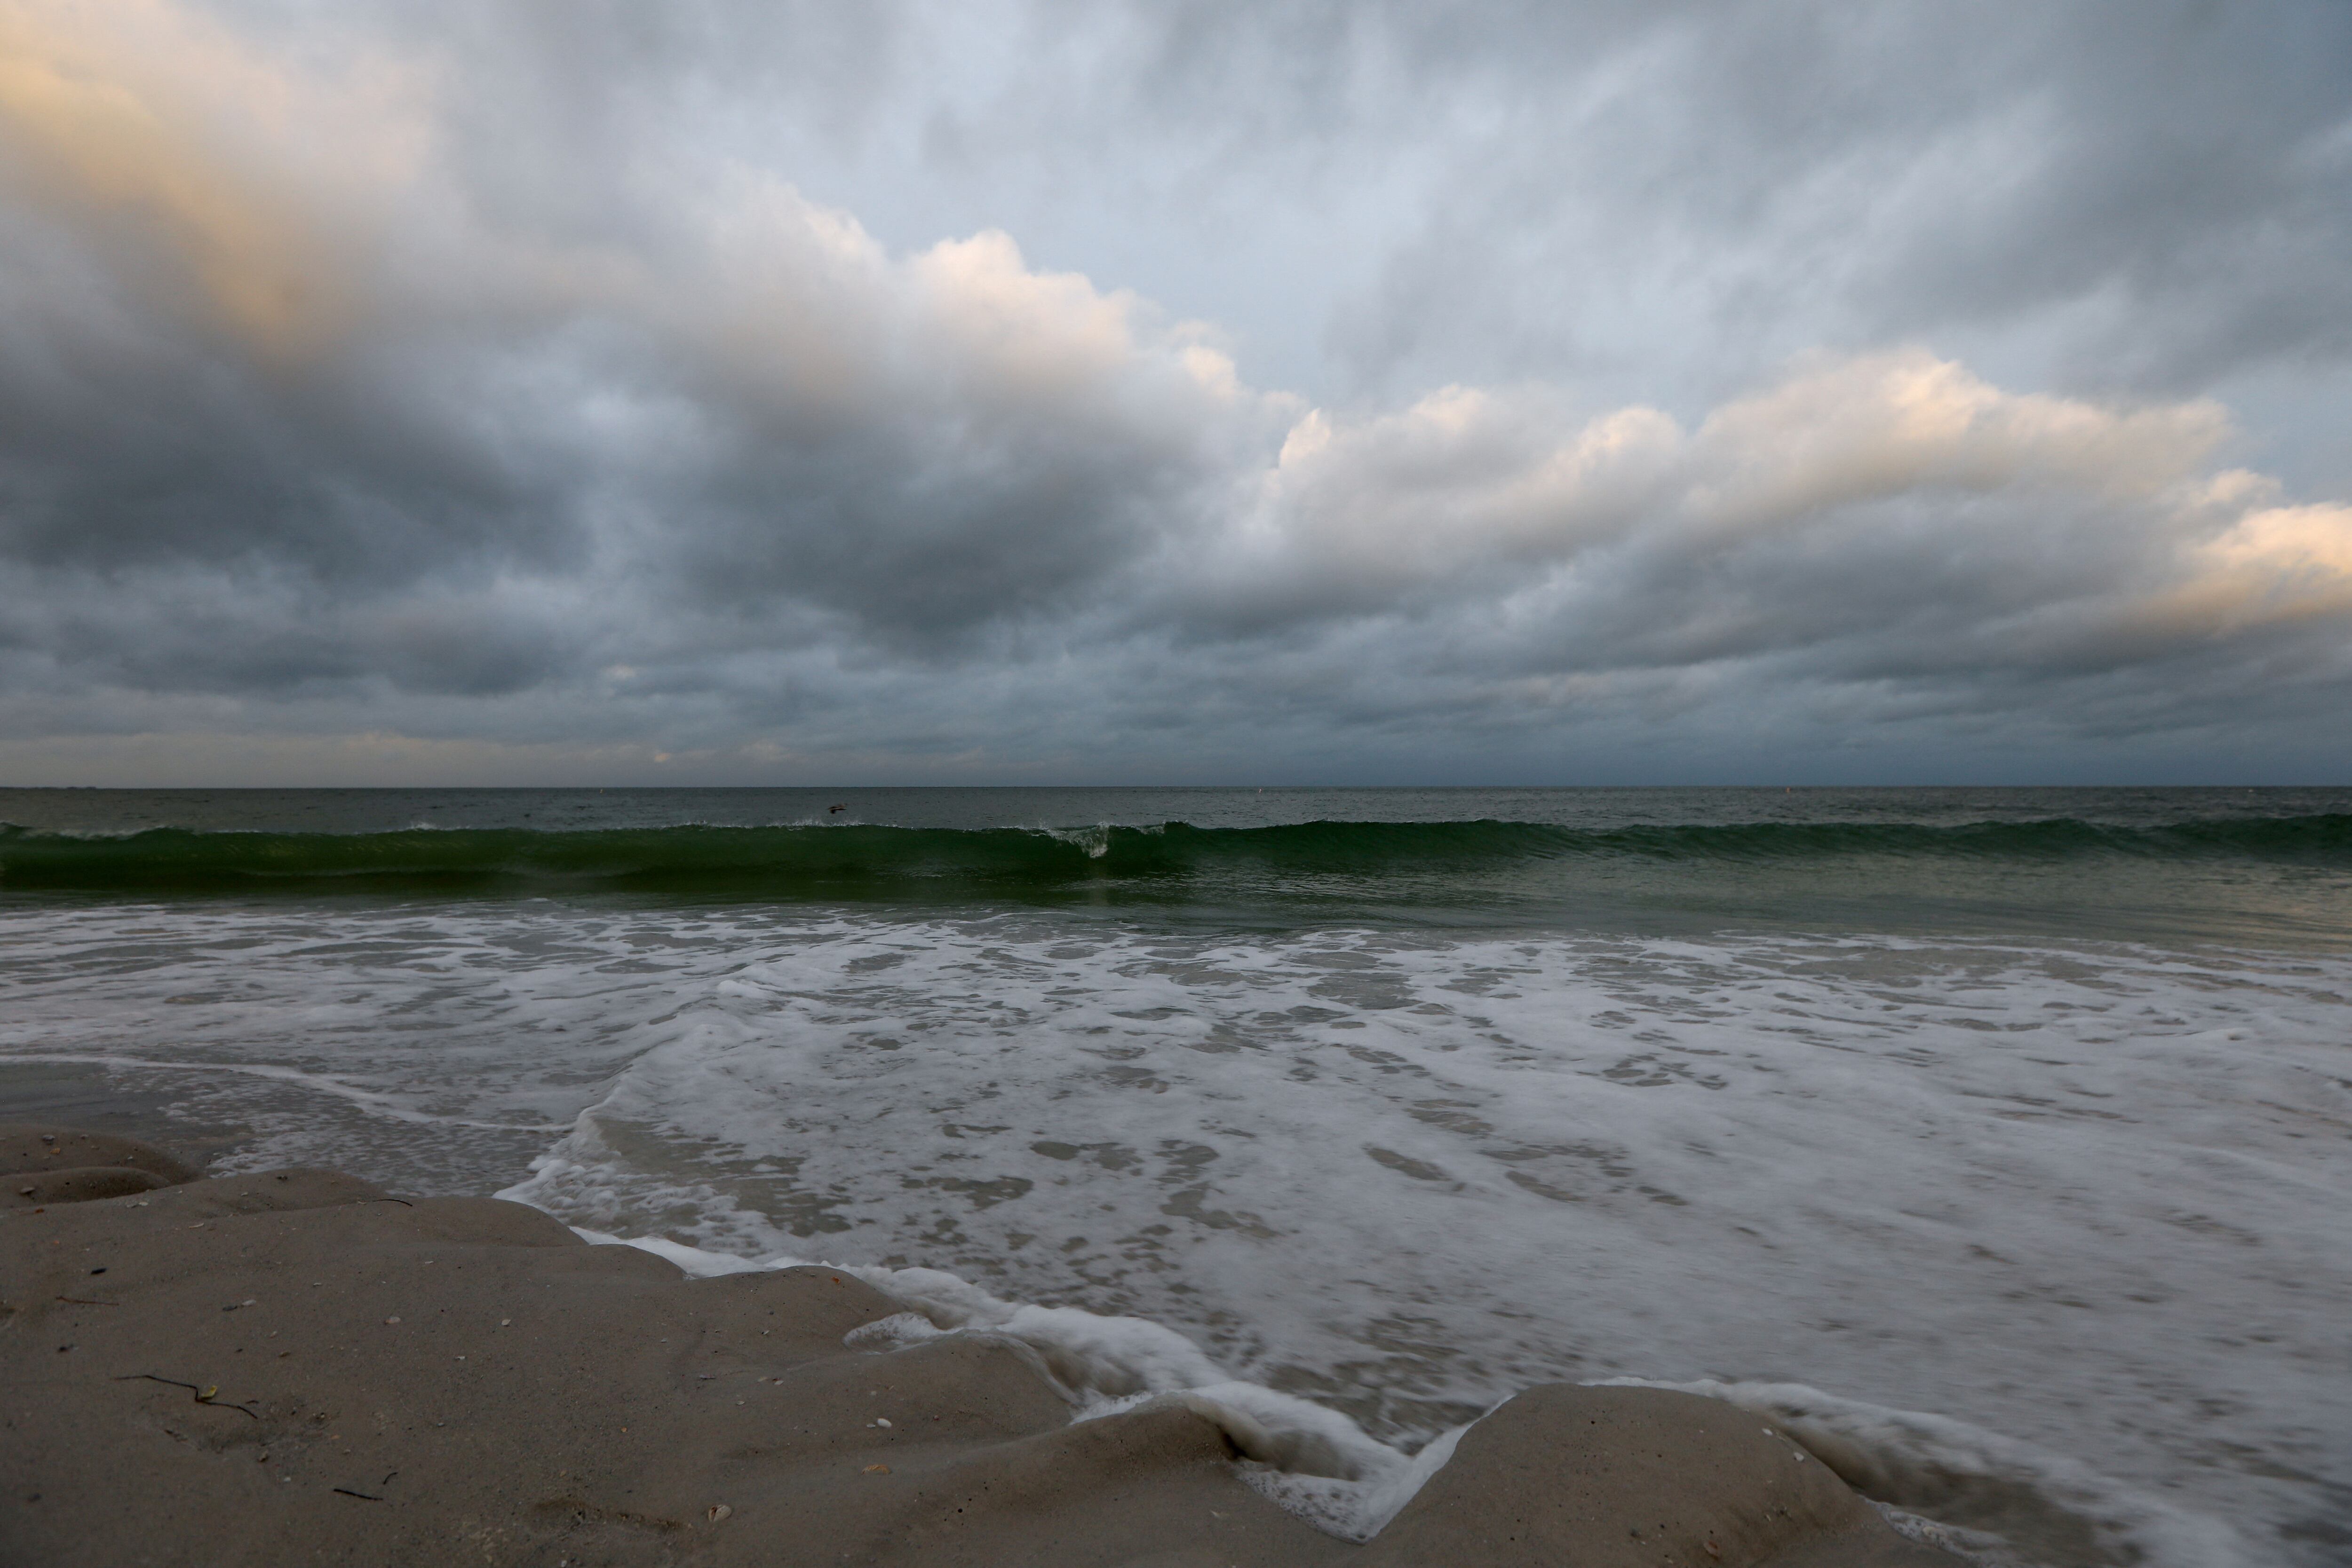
column 1406, row 860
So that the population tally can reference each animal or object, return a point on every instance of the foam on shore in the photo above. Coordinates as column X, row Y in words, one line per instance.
column 1998, row 1500
column 296, row 1365
column 1988, row 1500
column 1110, row 1365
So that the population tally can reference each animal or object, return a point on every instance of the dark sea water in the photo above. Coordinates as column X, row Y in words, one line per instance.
column 2001, row 1137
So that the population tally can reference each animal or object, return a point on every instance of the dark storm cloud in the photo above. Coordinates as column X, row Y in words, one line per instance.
column 516, row 390
column 2157, row 194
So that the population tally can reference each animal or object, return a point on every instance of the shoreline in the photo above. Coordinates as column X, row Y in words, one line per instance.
column 296, row 1365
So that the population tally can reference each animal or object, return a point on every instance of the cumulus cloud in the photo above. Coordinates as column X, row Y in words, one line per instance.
column 1876, row 521
column 333, row 444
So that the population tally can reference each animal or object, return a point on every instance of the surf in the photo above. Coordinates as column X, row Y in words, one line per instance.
column 849, row 860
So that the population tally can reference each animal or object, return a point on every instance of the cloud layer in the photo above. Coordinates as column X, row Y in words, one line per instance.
column 500, row 402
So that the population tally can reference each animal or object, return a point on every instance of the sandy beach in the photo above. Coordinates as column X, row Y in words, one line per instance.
column 296, row 1366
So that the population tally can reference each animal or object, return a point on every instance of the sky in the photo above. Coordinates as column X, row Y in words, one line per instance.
column 932, row 391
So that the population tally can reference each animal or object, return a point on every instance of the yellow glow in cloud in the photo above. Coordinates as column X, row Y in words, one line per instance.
column 154, row 130
column 2267, row 565
column 1037, row 330
column 1883, row 425
column 1361, row 513
column 2282, row 563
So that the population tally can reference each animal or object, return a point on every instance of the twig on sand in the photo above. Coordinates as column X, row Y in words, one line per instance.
column 364, row 1495
column 202, row 1395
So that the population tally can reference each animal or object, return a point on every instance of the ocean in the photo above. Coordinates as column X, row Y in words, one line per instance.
column 1994, row 1140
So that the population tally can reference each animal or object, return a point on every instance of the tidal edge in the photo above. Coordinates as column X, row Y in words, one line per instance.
column 295, row 1366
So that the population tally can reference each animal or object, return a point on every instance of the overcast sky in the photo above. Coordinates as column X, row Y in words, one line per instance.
column 744, row 391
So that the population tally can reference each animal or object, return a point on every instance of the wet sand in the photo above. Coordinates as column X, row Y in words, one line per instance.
column 295, row 1366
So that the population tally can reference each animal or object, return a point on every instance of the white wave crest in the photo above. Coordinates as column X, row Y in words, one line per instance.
column 1094, row 841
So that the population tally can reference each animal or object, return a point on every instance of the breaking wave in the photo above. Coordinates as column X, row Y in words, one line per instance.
column 1175, row 860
